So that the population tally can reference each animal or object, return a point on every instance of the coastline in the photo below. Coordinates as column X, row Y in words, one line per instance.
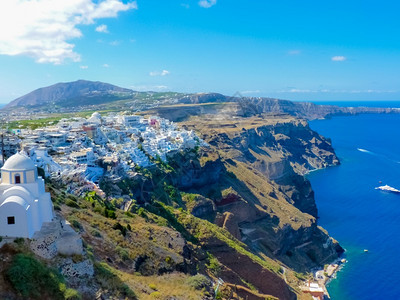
column 329, row 273
column 321, row 278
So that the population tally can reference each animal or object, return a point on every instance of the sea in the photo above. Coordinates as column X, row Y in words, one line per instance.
column 364, row 220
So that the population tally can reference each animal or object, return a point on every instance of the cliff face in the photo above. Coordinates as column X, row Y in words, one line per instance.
column 200, row 104
column 258, row 186
column 308, row 110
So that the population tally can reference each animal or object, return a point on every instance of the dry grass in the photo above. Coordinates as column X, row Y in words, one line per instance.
column 169, row 285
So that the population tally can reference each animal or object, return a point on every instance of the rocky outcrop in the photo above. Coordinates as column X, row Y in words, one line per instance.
column 56, row 237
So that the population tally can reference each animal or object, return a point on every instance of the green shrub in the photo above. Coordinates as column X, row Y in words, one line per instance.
column 153, row 286
column 95, row 233
column 19, row 241
column 108, row 278
column 213, row 265
column 32, row 279
column 121, row 228
column 156, row 295
column 71, row 294
column 71, row 203
column 198, row 282
column 123, row 253
column 76, row 224
column 168, row 260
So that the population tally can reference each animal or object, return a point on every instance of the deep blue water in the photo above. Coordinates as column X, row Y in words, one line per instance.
column 356, row 214
column 360, row 103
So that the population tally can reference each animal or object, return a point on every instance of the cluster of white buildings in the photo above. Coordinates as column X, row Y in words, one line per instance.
column 113, row 145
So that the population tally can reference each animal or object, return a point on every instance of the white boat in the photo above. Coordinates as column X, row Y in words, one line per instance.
column 387, row 188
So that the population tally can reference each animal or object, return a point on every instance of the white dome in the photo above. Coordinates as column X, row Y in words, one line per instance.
column 95, row 118
column 19, row 162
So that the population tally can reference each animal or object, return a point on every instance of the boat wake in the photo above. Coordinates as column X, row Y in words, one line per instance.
column 365, row 151
column 378, row 154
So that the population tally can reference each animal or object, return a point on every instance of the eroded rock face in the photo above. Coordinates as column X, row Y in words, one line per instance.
column 56, row 237
column 283, row 152
column 260, row 190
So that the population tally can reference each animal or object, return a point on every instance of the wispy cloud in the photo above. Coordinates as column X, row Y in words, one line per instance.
column 144, row 88
column 83, row 67
column 159, row 73
column 294, row 52
column 106, row 66
column 338, row 58
column 207, row 3
column 45, row 31
column 185, row 5
column 251, row 92
column 115, row 43
column 102, row 28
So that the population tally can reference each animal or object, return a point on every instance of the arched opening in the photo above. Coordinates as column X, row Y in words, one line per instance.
column 17, row 178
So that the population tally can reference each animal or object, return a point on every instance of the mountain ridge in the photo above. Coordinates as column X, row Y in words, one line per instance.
column 89, row 95
column 67, row 91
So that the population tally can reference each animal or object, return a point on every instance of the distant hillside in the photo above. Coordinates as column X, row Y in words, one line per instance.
column 89, row 95
column 81, row 92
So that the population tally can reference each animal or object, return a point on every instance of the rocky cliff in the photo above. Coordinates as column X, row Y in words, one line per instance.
column 259, row 189
column 217, row 104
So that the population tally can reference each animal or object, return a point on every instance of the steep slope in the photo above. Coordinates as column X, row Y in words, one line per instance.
column 249, row 183
column 71, row 93
column 239, row 209
column 261, row 191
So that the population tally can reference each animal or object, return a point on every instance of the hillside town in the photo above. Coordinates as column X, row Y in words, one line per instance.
column 81, row 151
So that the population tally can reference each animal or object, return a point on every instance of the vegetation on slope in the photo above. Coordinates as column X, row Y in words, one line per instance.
column 30, row 277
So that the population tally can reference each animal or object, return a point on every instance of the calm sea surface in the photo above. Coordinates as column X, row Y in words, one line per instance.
column 356, row 214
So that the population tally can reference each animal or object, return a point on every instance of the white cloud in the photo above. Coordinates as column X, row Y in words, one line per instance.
column 207, row 3
column 159, row 73
column 251, row 92
column 83, row 67
column 106, row 65
column 102, row 28
column 338, row 58
column 42, row 29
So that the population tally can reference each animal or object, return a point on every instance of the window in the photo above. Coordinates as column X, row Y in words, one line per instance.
column 10, row 220
column 17, row 178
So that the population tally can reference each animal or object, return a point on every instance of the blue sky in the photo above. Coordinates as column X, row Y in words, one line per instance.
column 297, row 50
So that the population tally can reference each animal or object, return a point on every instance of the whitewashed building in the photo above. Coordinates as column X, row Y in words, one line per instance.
column 24, row 203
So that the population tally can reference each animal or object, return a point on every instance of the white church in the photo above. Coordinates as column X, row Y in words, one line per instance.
column 24, row 203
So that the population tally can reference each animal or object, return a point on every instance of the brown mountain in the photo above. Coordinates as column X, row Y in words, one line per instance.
column 70, row 93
